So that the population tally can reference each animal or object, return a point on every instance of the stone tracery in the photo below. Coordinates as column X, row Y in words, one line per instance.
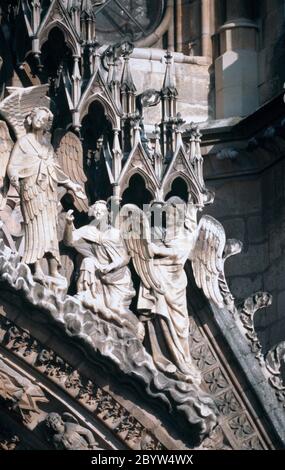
column 123, row 150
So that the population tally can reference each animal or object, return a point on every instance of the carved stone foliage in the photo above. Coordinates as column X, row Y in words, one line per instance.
column 191, row 383
column 246, row 311
column 252, row 444
column 235, row 425
column 274, row 363
column 87, row 392
column 110, row 340
column 227, row 403
column 241, row 427
column 20, row 395
column 99, row 315
column 217, row 441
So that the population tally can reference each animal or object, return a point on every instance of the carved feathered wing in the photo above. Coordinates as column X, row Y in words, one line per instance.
column 135, row 230
column 70, row 156
column 6, row 145
column 208, row 262
column 21, row 101
column 69, row 418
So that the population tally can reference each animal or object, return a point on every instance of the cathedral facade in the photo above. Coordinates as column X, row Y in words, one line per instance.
column 142, row 207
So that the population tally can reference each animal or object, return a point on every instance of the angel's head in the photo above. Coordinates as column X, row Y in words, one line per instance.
column 99, row 211
column 54, row 422
column 40, row 118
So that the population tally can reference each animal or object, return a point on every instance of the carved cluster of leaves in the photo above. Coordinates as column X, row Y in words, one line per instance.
column 215, row 380
column 247, row 310
column 241, row 426
column 227, row 403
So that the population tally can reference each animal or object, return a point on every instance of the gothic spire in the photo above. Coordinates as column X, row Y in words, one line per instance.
column 127, row 83
column 87, row 9
column 128, row 88
column 169, row 87
column 87, row 18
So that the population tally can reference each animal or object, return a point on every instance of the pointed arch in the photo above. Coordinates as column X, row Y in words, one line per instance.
column 110, row 112
column 180, row 168
column 138, row 163
column 56, row 17
column 68, row 36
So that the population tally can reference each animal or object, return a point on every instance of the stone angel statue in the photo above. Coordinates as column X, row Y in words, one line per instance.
column 104, row 284
column 67, row 434
column 33, row 170
column 162, row 302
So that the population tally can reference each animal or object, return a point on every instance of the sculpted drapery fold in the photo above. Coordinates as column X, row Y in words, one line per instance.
column 33, row 164
column 34, row 172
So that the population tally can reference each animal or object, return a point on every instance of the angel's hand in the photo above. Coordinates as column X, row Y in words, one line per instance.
column 14, row 180
column 69, row 217
column 77, row 190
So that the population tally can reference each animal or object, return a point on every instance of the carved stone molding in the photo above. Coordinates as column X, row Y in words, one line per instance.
column 20, row 396
column 274, row 363
column 89, row 394
column 113, row 342
column 234, row 421
column 246, row 311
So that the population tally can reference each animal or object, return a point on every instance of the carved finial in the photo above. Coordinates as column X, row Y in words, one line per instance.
column 168, row 98
column 128, row 88
column 127, row 83
column 169, row 87
column 72, row 5
column 87, row 9
column 87, row 19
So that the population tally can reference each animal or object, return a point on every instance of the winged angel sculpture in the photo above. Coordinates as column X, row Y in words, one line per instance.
column 31, row 167
column 67, row 434
column 105, row 283
column 159, row 263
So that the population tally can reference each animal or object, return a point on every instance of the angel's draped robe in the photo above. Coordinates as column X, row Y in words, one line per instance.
column 35, row 166
column 166, row 315
column 113, row 292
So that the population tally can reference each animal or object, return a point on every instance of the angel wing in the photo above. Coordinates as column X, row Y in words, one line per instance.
column 70, row 156
column 20, row 102
column 6, row 145
column 69, row 418
column 135, row 230
column 208, row 259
